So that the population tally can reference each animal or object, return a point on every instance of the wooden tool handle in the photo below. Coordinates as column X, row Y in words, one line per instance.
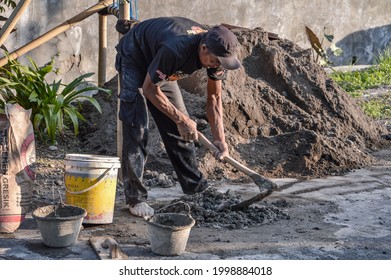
column 228, row 159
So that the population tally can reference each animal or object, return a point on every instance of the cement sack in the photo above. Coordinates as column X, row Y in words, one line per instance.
column 17, row 156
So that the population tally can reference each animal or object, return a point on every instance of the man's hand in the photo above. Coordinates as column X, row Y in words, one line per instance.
column 223, row 150
column 188, row 129
column 123, row 25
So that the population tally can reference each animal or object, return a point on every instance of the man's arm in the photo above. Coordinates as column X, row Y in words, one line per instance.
column 187, row 127
column 214, row 111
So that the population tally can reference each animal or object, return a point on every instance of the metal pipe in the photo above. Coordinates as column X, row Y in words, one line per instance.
column 13, row 20
column 56, row 31
column 136, row 9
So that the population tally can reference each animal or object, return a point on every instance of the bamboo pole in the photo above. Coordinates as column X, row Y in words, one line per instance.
column 102, row 61
column 56, row 31
column 124, row 13
column 13, row 20
column 124, row 10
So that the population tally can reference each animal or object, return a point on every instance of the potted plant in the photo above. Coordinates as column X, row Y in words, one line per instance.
column 53, row 105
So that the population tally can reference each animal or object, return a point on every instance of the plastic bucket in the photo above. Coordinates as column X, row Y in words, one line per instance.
column 59, row 225
column 90, row 182
column 169, row 232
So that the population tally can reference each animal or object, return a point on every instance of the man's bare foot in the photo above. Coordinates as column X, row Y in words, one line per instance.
column 142, row 209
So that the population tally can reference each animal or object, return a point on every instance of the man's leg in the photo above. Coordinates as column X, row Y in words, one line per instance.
column 134, row 155
column 181, row 153
column 134, row 116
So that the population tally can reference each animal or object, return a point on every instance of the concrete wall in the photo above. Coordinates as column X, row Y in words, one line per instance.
column 76, row 49
column 361, row 28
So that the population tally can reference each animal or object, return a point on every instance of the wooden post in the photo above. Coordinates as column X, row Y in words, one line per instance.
column 102, row 61
column 56, row 31
column 124, row 13
column 13, row 20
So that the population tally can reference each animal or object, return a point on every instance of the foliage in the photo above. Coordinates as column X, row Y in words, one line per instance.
column 52, row 104
column 322, row 57
column 355, row 82
column 378, row 75
column 8, row 3
column 383, row 60
column 378, row 107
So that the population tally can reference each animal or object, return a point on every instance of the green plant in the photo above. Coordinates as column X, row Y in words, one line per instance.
column 8, row 3
column 356, row 82
column 378, row 107
column 317, row 45
column 383, row 60
column 374, row 76
column 52, row 104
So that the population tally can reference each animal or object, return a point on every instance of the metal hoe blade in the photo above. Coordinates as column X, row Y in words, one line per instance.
column 266, row 186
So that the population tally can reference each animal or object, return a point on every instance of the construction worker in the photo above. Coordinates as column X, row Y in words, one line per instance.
column 151, row 57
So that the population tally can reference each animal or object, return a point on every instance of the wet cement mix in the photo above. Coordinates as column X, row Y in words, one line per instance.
column 283, row 116
column 211, row 209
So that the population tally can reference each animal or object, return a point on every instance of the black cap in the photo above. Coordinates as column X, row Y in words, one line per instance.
column 223, row 43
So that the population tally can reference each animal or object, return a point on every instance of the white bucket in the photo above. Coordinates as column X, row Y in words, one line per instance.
column 90, row 182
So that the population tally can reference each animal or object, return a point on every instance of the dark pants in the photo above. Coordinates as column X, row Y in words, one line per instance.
column 134, row 116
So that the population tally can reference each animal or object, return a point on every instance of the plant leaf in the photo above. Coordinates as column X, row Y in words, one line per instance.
column 73, row 115
column 315, row 43
column 335, row 50
column 93, row 101
column 329, row 38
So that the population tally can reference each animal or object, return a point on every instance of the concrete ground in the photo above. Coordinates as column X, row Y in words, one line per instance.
column 339, row 218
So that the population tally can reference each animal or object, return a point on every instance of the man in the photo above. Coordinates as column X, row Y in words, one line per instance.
column 151, row 57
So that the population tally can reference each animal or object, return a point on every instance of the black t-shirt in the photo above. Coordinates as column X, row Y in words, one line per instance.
column 166, row 48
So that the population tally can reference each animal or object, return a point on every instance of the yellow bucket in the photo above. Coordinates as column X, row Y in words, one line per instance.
column 90, row 183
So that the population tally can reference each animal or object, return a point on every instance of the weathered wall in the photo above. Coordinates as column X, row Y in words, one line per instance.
column 361, row 28
column 77, row 48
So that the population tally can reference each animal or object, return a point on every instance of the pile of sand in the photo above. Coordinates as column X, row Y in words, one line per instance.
column 283, row 116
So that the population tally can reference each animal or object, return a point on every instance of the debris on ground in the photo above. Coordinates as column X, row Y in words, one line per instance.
column 208, row 209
